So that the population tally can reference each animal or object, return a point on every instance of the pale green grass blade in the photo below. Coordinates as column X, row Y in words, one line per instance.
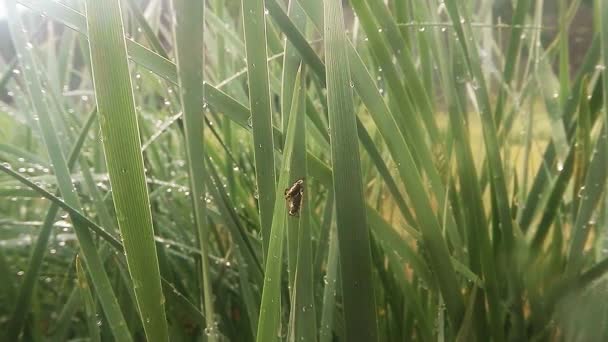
column 254, row 23
column 270, row 310
column 92, row 259
column 188, row 30
column 353, row 233
column 124, row 160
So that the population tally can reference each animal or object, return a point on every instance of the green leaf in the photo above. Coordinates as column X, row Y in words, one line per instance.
column 353, row 233
column 188, row 30
column 124, row 160
column 254, row 24
column 270, row 310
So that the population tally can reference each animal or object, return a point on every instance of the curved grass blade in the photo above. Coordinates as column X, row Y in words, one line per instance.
column 124, row 160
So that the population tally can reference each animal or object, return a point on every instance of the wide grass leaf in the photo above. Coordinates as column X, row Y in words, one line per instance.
column 353, row 233
column 122, row 146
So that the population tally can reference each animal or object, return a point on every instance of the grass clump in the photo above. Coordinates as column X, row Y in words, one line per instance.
column 454, row 171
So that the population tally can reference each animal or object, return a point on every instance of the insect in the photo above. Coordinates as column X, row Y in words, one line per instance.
column 293, row 196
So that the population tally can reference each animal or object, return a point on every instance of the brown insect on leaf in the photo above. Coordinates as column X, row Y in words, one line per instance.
column 293, row 196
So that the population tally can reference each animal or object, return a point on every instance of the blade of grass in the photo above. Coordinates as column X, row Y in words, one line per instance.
column 291, row 65
column 302, row 322
column 188, row 30
column 303, row 308
column 254, row 24
column 270, row 309
column 124, row 160
column 353, row 234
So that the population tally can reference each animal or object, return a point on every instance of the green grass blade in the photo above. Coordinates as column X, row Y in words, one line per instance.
column 353, row 234
column 291, row 65
column 188, row 30
column 124, row 159
column 304, row 325
column 254, row 23
column 270, row 310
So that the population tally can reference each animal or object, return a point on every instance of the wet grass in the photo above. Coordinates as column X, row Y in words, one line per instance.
column 454, row 179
